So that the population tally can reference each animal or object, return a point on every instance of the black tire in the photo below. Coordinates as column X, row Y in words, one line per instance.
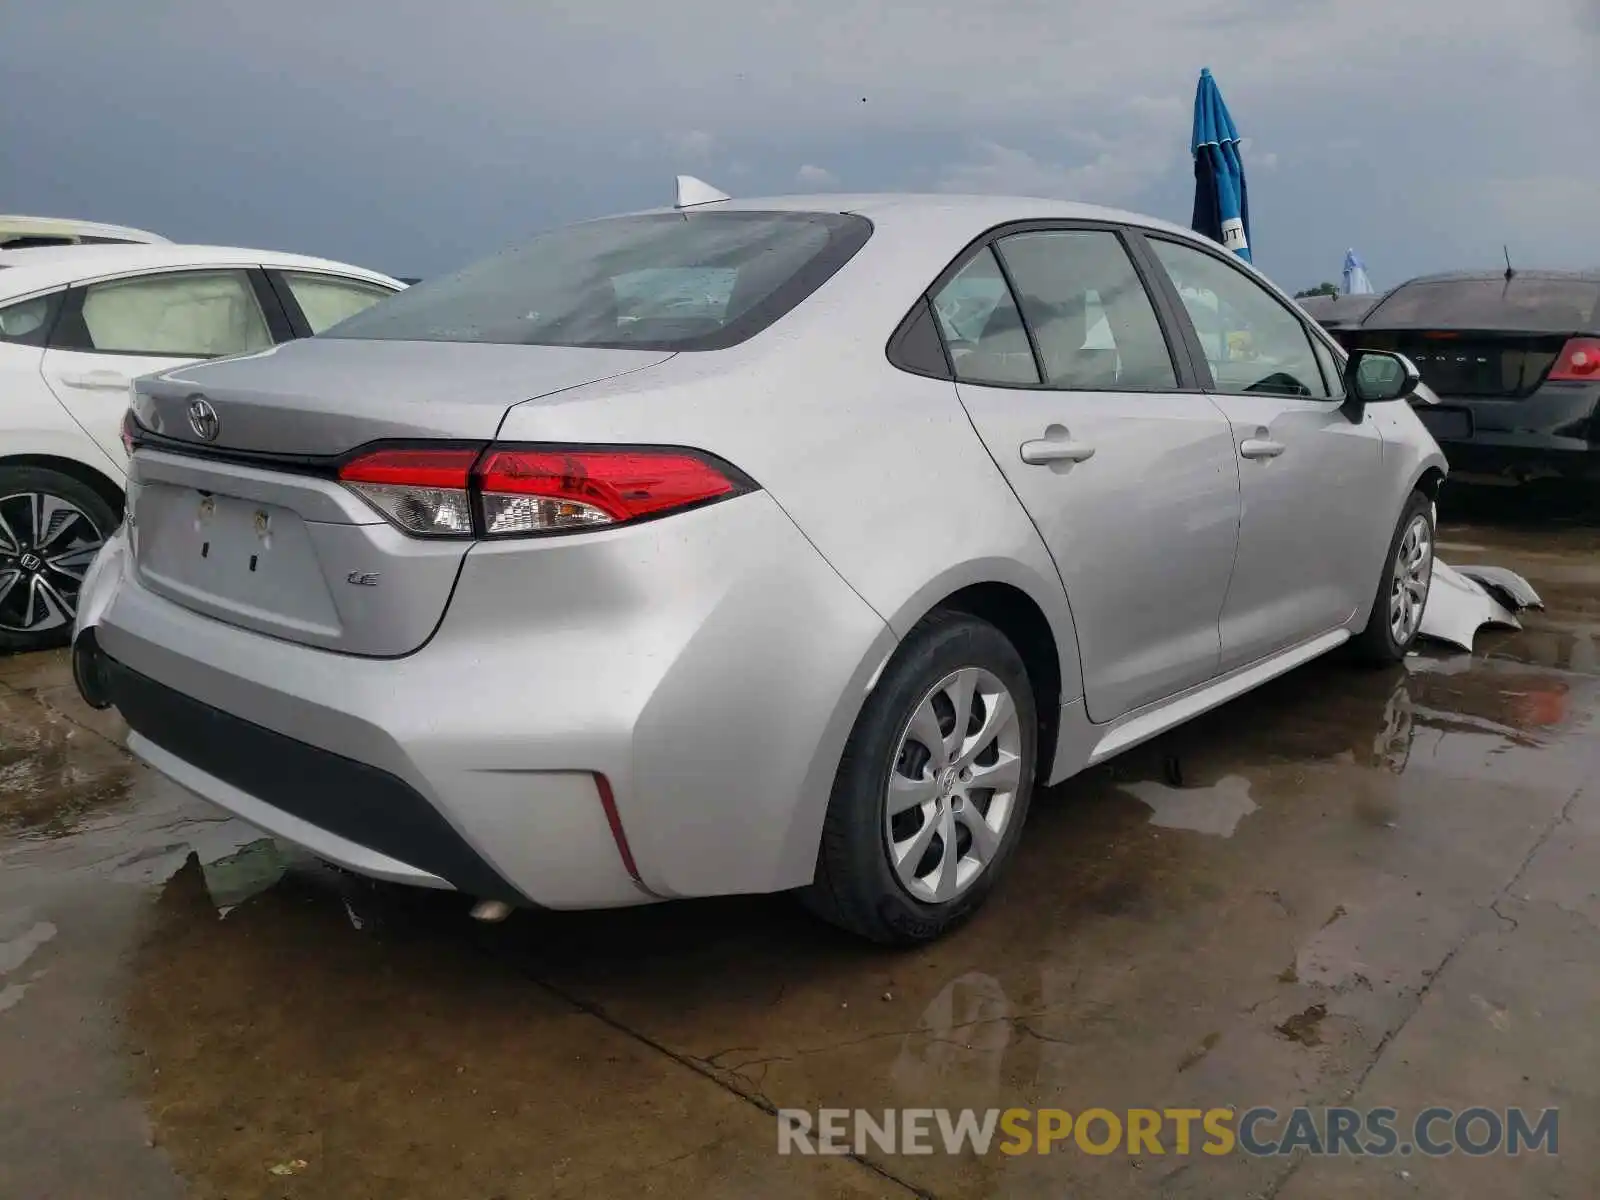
column 16, row 482
column 1376, row 645
column 855, row 886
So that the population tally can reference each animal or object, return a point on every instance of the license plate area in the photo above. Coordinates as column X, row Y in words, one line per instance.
column 1447, row 424
column 241, row 560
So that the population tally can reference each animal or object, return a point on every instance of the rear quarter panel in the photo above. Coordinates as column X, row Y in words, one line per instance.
column 880, row 469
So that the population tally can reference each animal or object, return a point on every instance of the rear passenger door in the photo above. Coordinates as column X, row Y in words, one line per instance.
column 1125, row 466
column 111, row 331
column 1307, row 468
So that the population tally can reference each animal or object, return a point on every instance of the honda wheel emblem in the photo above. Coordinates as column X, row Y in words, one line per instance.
column 203, row 419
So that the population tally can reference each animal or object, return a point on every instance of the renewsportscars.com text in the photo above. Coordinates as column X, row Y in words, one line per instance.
column 1261, row 1131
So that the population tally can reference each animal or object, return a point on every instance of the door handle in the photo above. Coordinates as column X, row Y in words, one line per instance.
column 1061, row 448
column 1260, row 448
column 98, row 381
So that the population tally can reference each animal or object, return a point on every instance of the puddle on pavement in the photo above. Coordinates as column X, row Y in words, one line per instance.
column 1216, row 809
column 1576, row 650
column 1458, row 714
column 53, row 771
column 17, row 946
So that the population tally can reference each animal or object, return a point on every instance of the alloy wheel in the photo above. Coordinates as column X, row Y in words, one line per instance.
column 1413, row 572
column 953, row 786
column 46, row 546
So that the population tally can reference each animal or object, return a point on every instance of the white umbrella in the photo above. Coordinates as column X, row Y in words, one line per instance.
column 1356, row 282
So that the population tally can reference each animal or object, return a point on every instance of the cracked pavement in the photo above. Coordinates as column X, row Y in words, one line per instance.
column 1348, row 888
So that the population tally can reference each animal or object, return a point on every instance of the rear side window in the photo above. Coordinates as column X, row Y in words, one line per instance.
column 1521, row 304
column 671, row 281
column 179, row 314
column 982, row 326
column 27, row 322
column 325, row 300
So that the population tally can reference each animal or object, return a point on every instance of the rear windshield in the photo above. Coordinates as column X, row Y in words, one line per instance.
column 1519, row 304
column 669, row 281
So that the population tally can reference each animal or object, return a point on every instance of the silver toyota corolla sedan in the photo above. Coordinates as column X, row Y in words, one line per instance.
column 749, row 546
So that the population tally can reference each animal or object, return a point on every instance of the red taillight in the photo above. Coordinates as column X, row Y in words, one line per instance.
column 1578, row 362
column 129, row 432
column 510, row 491
column 544, row 490
column 412, row 468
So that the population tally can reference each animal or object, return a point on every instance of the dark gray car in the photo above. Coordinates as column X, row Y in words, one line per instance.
column 1514, row 360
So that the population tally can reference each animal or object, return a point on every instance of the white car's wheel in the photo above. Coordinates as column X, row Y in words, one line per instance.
column 51, row 527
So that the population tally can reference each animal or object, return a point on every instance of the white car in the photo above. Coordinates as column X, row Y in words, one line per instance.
column 77, row 325
column 18, row 232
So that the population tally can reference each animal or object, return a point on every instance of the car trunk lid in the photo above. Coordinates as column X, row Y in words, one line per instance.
column 321, row 397
column 1472, row 364
column 1481, row 336
column 251, row 526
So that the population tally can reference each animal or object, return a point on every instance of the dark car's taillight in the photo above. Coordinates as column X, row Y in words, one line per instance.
column 522, row 491
column 1578, row 362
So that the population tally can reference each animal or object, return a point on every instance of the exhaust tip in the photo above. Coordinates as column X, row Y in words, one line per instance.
column 491, row 911
column 89, row 671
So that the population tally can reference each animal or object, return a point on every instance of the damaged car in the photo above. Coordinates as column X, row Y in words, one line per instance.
column 749, row 546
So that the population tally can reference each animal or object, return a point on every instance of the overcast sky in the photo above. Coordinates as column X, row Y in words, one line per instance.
column 412, row 137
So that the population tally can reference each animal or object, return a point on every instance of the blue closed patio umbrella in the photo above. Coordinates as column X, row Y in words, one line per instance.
column 1356, row 282
column 1221, row 202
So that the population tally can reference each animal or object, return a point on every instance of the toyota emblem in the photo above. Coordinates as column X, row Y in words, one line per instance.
column 203, row 419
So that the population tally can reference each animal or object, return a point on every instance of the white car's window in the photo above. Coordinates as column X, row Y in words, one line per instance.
column 981, row 326
column 25, row 321
column 328, row 299
column 1093, row 321
column 184, row 314
column 1252, row 341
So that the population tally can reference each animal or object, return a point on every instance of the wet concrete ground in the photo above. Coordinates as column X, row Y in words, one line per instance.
column 1351, row 887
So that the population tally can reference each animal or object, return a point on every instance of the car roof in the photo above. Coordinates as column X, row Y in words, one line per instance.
column 941, row 220
column 1588, row 276
column 1339, row 309
column 1574, row 308
column 24, row 272
column 980, row 211
column 13, row 225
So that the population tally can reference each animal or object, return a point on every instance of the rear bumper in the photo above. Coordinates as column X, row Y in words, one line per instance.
column 1554, row 433
column 708, row 667
column 347, row 811
column 1512, row 459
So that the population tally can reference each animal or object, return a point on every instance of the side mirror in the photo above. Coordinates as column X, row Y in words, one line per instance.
column 1379, row 376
